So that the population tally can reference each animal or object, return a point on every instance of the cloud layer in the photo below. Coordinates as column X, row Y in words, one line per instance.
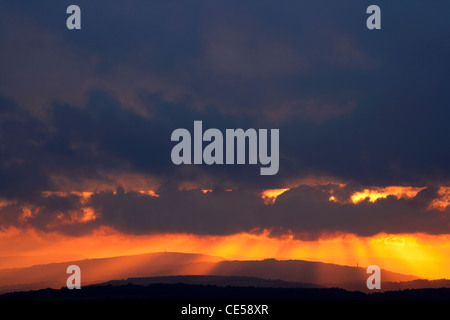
column 79, row 110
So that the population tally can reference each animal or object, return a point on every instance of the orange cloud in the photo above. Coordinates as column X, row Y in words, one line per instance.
column 106, row 182
column 443, row 201
column 379, row 193
column 151, row 193
column 85, row 215
column 27, row 213
column 84, row 195
column 4, row 203
column 270, row 195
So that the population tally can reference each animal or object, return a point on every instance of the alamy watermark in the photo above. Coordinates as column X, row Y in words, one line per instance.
column 74, row 280
column 374, row 281
column 73, row 22
column 237, row 141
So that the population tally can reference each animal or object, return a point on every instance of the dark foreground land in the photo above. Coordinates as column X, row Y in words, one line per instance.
column 190, row 292
column 181, row 301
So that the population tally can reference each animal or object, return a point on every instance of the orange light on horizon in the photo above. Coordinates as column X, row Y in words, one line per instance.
column 423, row 255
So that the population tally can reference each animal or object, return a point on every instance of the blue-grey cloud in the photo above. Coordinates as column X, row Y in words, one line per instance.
column 365, row 107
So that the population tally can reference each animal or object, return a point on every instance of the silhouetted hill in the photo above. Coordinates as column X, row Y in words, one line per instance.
column 416, row 284
column 324, row 274
column 239, row 281
column 28, row 261
column 171, row 264
column 54, row 275
column 220, row 281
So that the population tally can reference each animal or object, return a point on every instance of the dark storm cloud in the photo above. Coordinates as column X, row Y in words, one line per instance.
column 21, row 137
column 367, row 107
column 304, row 212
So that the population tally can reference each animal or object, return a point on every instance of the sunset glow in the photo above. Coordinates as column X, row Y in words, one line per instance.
column 257, row 142
column 426, row 256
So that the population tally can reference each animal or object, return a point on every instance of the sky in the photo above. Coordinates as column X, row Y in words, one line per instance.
column 86, row 118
